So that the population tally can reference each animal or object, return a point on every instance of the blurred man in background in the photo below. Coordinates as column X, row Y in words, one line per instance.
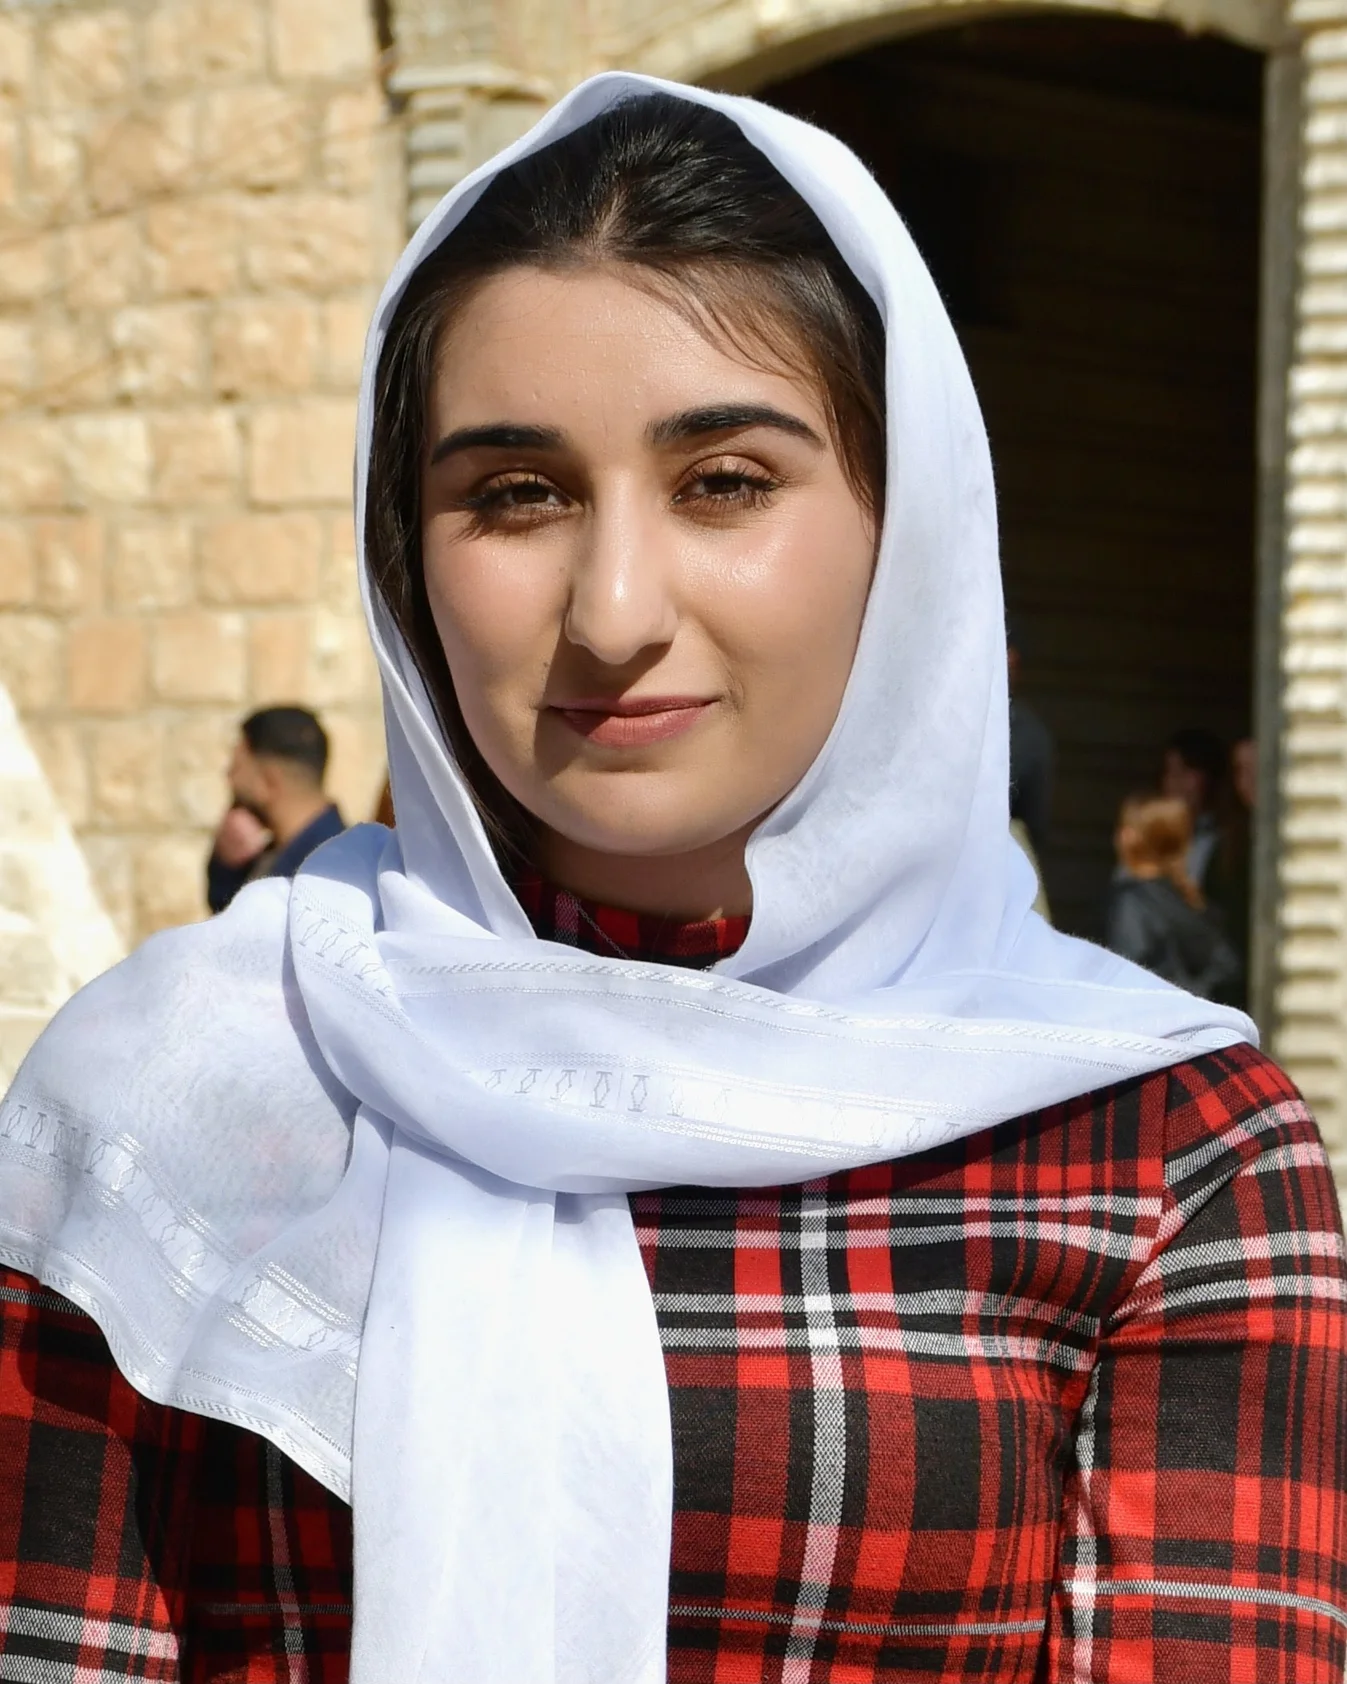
column 279, row 811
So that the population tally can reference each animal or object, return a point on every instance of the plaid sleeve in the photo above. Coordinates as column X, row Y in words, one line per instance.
column 143, row 1542
column 1205, row 1516
column 95, row 1509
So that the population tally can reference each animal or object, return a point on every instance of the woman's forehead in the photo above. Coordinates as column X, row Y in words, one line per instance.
column 594, row 345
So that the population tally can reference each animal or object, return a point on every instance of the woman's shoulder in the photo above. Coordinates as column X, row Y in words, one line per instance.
column 1200, row 1118
column 1235, row 1090
column 1236, row 1113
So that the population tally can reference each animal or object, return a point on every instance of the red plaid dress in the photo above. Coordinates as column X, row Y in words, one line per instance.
column 1064, row 1401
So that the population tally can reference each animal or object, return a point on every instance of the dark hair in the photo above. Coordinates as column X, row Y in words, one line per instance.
column 292, row 734
column 1204, row 752
column 677, row 193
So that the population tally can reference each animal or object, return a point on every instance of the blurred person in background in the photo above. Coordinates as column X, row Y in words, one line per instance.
column 279, row 811
column 1194, row 772
column 1229, row 883
column 1157, row 916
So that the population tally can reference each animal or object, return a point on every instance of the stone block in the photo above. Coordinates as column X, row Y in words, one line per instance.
column 69, row 550
column 278, row 658
column 195, row 455
column 59, row 747
column 151, row 565
column 110, row 865
column 31, row 471
column 9, row 163
column 126, row 765
column 351, row 121
column 75, row 363
column 256, row 137
column 192, row 247
column 322, row 38
column 341, row 663
column 18, row 358
column 26, row 273
column 108, row 457
column 29, row 974
column 262, row 559
column 198, row 751
column 89, row 57
column 195, row 41
column 102, row 263
column 159, row 351
column 30, row 660
column 54, row 158
column 105, row 660
column 316, row 242
column 137, row 155
column 16, row 57
column 18, row 567
column 358, row 764
column 199, row 657
column 170, row 882
column 345, row 324
column 339, row 582
column 262, row 347
column 302, row 452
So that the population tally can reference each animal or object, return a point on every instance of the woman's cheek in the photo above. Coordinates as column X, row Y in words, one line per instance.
column 493, row 614
column 794, row 610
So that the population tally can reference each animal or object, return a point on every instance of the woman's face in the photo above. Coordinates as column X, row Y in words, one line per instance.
column 648, row 570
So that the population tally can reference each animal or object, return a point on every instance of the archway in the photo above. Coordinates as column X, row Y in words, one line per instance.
column 1087, row 193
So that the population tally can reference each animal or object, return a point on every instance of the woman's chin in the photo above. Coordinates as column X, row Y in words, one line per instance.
column 655, row 830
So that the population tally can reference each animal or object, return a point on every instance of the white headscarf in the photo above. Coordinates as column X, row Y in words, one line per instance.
column 348, row 1164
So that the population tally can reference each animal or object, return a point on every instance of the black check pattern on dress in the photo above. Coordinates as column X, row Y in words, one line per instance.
column 1065, row 1401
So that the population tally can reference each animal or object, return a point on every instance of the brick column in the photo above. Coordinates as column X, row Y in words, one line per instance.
column 475, row 74
column 457, row 117
column 1310, row 1001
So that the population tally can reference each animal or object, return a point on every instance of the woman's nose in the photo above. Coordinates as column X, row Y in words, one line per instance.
column 620, row 600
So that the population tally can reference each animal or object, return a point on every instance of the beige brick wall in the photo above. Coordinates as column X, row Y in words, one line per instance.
column 198, row 199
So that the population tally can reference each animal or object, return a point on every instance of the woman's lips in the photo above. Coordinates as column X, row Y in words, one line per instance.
column 634, row 722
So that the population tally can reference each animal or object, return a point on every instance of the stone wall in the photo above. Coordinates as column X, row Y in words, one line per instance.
column 197, row 201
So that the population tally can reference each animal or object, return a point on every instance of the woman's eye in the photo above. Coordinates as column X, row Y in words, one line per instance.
column 728, row 486
column 502, row 500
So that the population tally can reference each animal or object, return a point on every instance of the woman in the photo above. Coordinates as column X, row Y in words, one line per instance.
column 1157, row 916
column 680, row 567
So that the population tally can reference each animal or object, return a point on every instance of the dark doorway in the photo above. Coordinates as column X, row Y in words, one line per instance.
column 1087, row 194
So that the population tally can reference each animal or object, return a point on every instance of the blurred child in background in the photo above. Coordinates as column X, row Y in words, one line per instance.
column 1157, row 916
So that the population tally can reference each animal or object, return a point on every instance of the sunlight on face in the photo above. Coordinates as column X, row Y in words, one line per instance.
column 648, row 570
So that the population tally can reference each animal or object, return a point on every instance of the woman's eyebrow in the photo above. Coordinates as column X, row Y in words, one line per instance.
column 729, row 418
column 499, row 435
